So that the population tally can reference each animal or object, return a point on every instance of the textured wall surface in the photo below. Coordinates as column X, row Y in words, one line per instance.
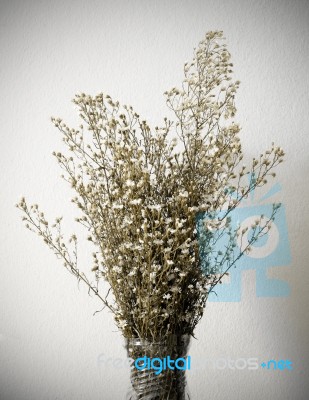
column 51, row 345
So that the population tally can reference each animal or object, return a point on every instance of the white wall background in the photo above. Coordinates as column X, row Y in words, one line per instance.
column 135, row 50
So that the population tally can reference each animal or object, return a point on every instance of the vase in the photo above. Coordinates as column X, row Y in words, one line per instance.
column 158, row 368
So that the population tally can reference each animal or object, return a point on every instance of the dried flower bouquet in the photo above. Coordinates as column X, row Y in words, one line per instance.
column 140, row 190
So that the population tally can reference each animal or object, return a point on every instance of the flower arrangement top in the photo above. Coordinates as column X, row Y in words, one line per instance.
column 139, row 191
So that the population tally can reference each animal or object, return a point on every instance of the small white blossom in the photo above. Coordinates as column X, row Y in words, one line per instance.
column 122, row 323
column 129, row 183
column 117, row 206
column 155, row 207
column 184, row 194
column 136, row 201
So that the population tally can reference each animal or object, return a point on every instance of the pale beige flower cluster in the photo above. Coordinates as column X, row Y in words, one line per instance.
column 140, row 189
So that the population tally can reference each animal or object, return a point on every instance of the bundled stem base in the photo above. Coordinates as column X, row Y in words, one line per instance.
column 168, row 384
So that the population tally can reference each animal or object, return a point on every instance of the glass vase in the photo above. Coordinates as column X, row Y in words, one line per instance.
column 158, row 379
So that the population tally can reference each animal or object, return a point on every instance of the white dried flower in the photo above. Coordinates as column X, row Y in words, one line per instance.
column 117, row 206
column 136, row 201
column 129, row 183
